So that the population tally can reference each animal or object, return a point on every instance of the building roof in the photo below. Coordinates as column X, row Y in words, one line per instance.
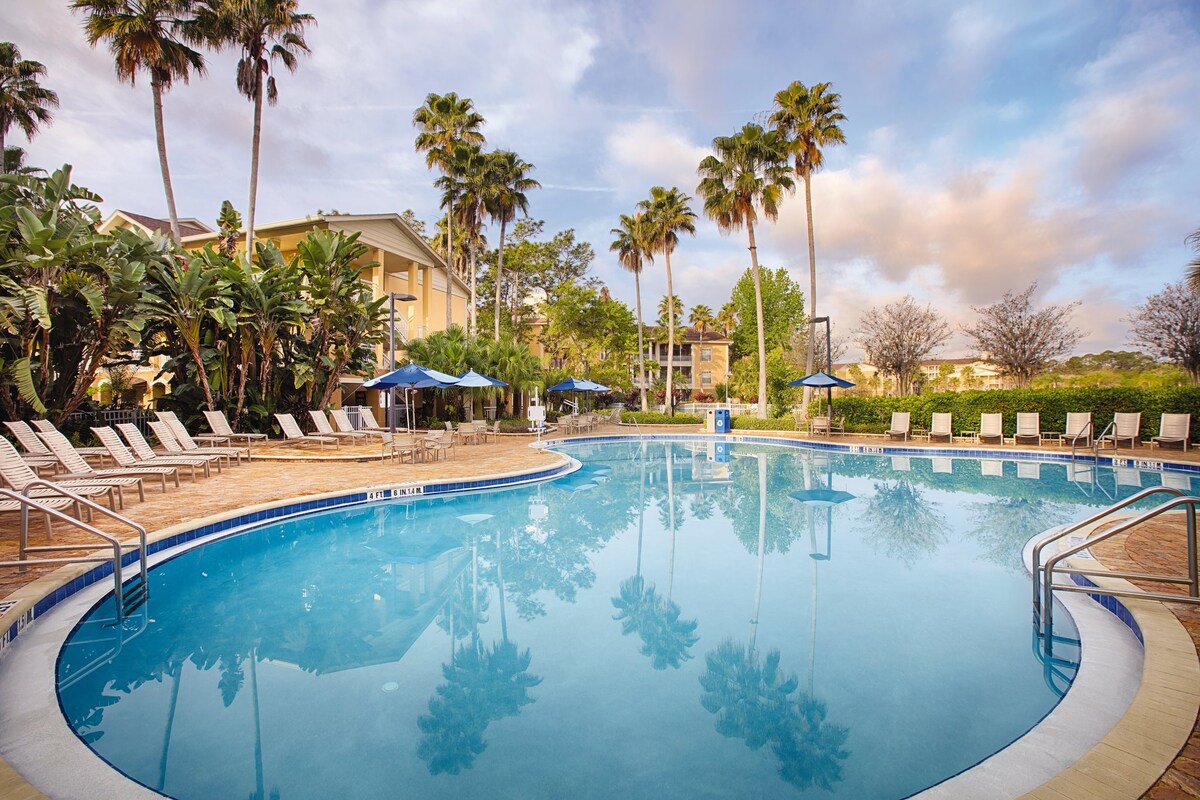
column 188, row 226
column 693, row 334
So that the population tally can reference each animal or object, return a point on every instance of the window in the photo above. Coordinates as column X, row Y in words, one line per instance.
column 706, row 354
column 706, row 378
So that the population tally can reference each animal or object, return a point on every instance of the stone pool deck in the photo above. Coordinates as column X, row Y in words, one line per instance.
column 1157, row 547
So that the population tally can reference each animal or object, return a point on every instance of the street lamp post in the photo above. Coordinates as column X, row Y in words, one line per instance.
column 392, row 298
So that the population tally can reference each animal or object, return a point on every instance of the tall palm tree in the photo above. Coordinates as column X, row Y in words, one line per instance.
column 701, row 317
column 809, row 117
column 265, row 31
column 23, row 101
column 726, row 319
column 746, row 176
column 510, row 182
column 634, row 250
column 469, row 178
column 670, row 215
column 1193, row 276
column 148, row 36
column 444, row 122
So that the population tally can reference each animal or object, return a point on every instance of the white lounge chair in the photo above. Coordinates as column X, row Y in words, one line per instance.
column 342, row 420
column 291, row 431
column 78, row 469
column 1127, row 427
column 18, row 475
column 142, row 449
column 325, row 429
column 28, row 438
column 177, row 425
column 189, row 445
column 1030, row 470
column 1173, row 429
column 943, row 465
column 900, row 426
column 1079, row 429
column 940, row 429
column 221, row 427
column 126, row 457
column 1029, row 428
column 991, row 467
column 991, row 429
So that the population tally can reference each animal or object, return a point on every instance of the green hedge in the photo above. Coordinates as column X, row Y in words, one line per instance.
column 657, row 418
column 745, row 422
column 872, row 414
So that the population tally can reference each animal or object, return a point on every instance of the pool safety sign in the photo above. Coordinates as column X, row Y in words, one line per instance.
column 399, row 491
column 1138, row 463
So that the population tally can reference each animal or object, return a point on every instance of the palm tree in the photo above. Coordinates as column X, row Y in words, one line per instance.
column 669, row 215
column 727, row 318
column 701, row 317
column 747, row 176
column 266, row 31
column 510, row 182
column 23, row 102
column 147, row 35
column 633, row 249
column 470, row 172
column 444, row 122
column 808, row 118
column 1193, row 276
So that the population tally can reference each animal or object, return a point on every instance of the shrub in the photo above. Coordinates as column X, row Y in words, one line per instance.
column 658, row 418
column 515, row 425
column 872, row 414
column 746, row 422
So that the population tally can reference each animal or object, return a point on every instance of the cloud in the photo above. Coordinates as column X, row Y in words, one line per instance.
column 647, row 152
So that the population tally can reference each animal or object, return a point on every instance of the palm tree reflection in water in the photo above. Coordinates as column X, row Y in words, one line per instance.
column 483, row 684
column 754, row 700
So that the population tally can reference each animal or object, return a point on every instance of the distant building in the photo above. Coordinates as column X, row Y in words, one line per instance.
column 702, row 357
column 935, row 375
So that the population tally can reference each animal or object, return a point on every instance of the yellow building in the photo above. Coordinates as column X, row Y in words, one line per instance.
column 702, row 357
column 405, row 264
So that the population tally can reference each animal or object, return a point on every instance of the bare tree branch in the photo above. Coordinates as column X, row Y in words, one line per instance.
column 1167, row 326
column 1021, row 339
column 899, row 336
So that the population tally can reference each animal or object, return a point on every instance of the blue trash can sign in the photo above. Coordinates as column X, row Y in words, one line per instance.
column 722, row 420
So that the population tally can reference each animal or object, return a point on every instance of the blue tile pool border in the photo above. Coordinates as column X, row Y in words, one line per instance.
column 286, row 508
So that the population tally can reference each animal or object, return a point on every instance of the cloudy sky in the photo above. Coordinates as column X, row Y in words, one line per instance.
column 989, row 144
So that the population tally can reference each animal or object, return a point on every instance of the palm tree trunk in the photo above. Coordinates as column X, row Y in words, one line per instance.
column 637, row 288
column 762, row 542
column 499, row 275
column 450, row 263
column 670, row 398
column 472, row 312
column 161, row 137
column 241, row 391
column 758, row 310
column 254, row 143
column 202, row 374
column 812, row 290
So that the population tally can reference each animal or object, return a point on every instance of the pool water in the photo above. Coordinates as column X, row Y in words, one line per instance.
column 675, row 620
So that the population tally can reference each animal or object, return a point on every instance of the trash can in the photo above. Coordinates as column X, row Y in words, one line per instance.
column 721, row 453
column 708, row 421
column 721, row 420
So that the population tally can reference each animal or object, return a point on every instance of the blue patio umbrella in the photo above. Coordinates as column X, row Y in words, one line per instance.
column 822, row 380
column 473, row 380
column 578, row 385
column 410, row 376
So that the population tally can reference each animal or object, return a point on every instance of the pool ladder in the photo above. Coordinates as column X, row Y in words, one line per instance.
column 128, row 596
column 1043, row 575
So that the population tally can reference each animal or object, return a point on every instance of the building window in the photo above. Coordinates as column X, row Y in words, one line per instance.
column 706, row 354
column 706, row 378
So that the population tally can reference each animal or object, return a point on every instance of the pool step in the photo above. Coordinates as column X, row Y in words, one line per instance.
column 135, row 595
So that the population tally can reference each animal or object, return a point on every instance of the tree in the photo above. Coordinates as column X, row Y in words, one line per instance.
column 747, row 174
column 809, row 117
column 587, row 328
column 265, row 31
column 1167, row 325
column 1021, row 339
column 899, row 336
column 782, row 310
column 743, row 379
column 23, row 101
column 727, row 318
column 147, row 36
column 633, row 248
column 701, row 318
column 510, row 182
column 669, row 215
column 1193, row 276
column 468, row 181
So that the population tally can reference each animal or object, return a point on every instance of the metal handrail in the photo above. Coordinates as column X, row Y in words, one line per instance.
column 1075, row 439
column 1192, row 580
column 1054, row 537
column 27, row 502
column 1099, row 440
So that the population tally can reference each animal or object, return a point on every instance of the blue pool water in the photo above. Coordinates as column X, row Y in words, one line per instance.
column 675, row 620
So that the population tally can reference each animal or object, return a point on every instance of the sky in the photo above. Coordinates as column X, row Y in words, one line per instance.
column 988, row 145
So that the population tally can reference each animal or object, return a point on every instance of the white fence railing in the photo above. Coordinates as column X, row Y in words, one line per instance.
column 735, row 409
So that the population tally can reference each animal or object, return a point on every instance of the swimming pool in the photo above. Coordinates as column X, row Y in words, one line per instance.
column 645, row 626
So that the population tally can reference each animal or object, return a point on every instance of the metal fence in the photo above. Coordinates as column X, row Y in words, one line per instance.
column 701, row 408
column 82, row 420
